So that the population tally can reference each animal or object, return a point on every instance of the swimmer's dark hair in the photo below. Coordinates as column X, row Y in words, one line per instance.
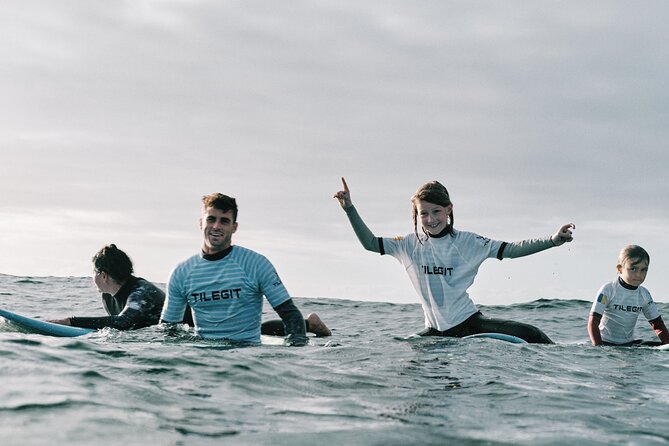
column 114, row 262
column 221, row 202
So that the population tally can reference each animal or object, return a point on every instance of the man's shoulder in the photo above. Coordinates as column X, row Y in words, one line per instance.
column 243, row 249
column 188, row 263
column 240, row 252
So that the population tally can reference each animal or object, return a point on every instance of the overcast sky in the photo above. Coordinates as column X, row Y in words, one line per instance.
column 118, row 116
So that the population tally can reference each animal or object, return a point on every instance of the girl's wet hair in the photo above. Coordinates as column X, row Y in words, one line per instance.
column 114, row 262
column 436, row 193
column 633, row 254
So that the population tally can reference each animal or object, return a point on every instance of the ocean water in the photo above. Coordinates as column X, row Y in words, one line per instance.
column 370, row 383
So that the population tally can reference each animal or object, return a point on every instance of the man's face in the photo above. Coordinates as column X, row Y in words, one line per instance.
column 217, row 229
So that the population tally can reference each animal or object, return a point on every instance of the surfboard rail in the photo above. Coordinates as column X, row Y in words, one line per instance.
column 499, row 337
column 43, row 327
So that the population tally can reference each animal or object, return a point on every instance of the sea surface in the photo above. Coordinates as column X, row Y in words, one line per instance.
column 370, row 383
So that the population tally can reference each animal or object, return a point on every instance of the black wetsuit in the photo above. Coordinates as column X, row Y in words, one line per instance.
column 136, row 305
column 477, row 323
column 276, row 327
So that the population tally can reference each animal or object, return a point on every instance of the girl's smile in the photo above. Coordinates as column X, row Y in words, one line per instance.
column 434, row 218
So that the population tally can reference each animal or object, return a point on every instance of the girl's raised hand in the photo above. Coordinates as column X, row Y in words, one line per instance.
column 563, row 235
column 344, row 196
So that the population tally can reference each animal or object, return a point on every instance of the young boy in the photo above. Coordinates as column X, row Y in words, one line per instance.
column 616, row 309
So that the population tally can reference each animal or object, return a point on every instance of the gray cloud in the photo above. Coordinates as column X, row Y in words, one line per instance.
column 531, row 113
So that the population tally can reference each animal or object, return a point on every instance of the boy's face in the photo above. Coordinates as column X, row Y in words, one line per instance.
column 633, row 271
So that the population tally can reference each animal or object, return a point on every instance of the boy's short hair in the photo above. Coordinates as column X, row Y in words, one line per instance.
column 633, row 252
column 221, row 202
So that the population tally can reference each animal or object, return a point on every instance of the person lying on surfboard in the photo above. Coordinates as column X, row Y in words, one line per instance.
column 616, row 308
column 442, row 263
column 132, row 302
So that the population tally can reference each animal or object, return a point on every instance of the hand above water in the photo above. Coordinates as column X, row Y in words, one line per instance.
column 65, row 321
column 344, row 196
column 563, row 235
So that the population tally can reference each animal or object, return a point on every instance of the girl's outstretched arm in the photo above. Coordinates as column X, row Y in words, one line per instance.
column 532, row 246
column 368, row 240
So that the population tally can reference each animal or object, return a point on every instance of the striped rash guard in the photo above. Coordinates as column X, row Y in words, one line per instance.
column 225, row 292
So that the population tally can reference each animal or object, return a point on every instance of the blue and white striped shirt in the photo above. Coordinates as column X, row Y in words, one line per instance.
column 225, row 295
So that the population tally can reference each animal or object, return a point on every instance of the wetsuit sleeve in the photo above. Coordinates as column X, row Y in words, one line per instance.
column 124, row 321
column 296, row 332
column 142, row 309
column 524, row 247
column 660, row 329
column 368, row 240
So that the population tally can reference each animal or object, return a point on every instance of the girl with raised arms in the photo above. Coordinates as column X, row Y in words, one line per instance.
column 442, row 263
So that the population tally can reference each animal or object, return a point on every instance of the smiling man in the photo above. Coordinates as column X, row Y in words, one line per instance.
column 225, row 284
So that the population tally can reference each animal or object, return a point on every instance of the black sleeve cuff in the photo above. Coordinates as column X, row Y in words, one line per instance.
column 500, row 253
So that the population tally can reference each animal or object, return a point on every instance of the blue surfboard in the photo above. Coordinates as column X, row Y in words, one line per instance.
column 499, row 337
column 42, row 327
column 38, row 326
